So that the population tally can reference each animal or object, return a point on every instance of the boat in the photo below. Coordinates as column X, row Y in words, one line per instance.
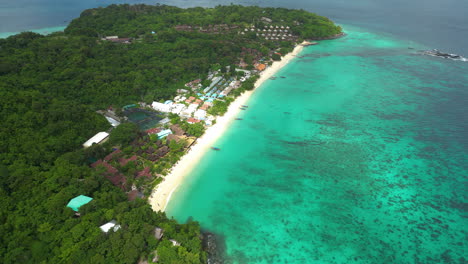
column 215, row 148
column 238, row 118
column 242, row 108
column 244, row 105
column 272, row 78
column 282, row 77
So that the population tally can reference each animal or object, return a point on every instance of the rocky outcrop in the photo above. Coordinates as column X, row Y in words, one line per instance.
column 211, row 244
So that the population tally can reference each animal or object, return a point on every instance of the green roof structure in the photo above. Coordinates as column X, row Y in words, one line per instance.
column 78, row 201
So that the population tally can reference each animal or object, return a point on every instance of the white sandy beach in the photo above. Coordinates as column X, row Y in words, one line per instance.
column 163, row 192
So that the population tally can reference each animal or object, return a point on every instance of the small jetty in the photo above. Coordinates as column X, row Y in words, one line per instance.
column 215, row 148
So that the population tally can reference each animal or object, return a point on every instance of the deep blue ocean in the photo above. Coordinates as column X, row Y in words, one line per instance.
column 358, row 155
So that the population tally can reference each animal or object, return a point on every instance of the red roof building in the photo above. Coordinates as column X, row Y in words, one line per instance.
column 124, row 162
column 144, row 173
column 153, row 131
column 261, row 67
column 111, row 155
column 132, row 195
column 112, row 174
column 193, row 83
column 205, row 107
column 192, row 120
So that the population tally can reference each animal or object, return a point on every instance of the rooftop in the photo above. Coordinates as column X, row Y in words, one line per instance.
column 96, row 139
column 78, row 201
column 192, row 120
column 110, row 225
column 124, row 162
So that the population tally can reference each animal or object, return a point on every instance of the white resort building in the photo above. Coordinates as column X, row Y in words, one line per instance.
column 96, row 139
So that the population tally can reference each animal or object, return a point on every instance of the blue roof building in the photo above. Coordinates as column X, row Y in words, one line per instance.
column 164, row 133
column 78, row 201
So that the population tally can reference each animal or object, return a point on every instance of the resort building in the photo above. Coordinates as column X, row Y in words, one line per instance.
column 200, row 114
column 164, row 121
column 226, row 91
column 165, row 108
column 266, row 20
column 123, row 162
column 110, row 37
column 78, row 201
column 205, row 106
column 180, row 98
column 96, row 139
column 153, row 131
column 174, row 242
column 111, row 173
column 193, row 120
column 198, row 102
column 260, row 67
column 177, row 108
column 132, row 195
column 112, row 225
column 193, row 84
column 112, row 155
column 209, row 120
column 189, row 111
column 213, row 83
column 164, row 133
column 112, row 121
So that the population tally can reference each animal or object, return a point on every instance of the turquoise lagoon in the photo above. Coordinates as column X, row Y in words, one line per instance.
column 359, row 155
column 43, row 31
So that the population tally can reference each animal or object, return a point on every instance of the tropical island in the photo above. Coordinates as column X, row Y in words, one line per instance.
column 94, row 119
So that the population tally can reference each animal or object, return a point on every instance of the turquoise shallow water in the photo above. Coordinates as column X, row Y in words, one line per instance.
column 359, row 155
column 43, row 31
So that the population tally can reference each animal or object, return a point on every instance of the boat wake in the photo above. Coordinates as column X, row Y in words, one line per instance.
column 437, row 53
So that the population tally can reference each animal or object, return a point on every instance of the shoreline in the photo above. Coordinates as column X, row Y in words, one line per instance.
column 337, row 36
column 43, row 31
column 161, row 194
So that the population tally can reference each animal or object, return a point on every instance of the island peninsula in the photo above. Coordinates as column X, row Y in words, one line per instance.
column 95, row 117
